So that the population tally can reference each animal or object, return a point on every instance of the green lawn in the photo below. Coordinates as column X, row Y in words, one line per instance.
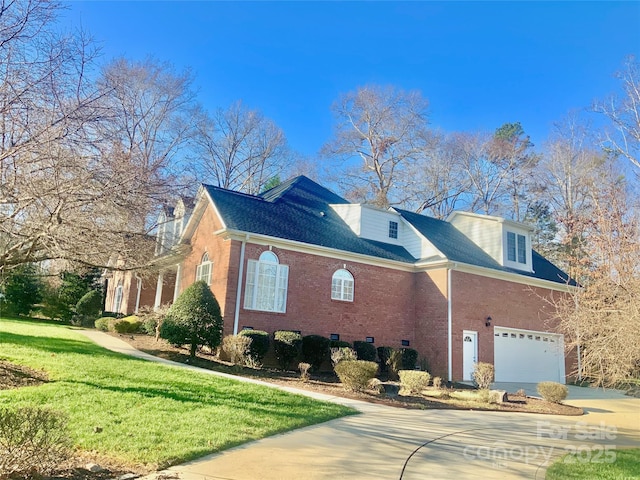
column 149, row 413
column 622, row 464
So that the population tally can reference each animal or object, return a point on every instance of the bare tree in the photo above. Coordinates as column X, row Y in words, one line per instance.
column 239, row 149
column 624, row 114
column 384, row 128
column 436, row 183
column 67, row 191
column 511, row 150
column 601, row 320
column 569, row 173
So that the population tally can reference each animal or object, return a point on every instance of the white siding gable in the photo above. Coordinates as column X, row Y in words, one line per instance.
column 492, row 235
column 374, row 224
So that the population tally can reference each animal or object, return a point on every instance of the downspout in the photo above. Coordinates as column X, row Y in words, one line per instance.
column 138, row 294
column 236, row 315
column 449, row 325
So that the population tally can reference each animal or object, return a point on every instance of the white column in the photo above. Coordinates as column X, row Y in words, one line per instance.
column 176, row 290
column 158, row 301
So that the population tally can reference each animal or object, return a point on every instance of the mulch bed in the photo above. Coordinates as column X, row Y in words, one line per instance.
column 15, row 376
column 329, row 384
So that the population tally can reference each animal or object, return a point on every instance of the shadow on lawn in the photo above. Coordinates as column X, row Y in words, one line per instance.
column 56, row 345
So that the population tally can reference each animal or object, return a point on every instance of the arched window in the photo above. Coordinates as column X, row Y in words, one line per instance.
column 117, row 301
column 266, row 287
column 342, row 285
column 203, row 271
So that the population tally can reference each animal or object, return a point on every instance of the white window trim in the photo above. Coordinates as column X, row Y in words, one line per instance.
column 204, row 269
column 342, row 285
column 520, row 238
column 266, row 284
column 117, row 300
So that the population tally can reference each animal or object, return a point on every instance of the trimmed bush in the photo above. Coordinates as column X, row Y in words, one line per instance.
column 483, row 375
column 103, row 324
column 259, row 344
column 355, row 375
column 339, row 344
column 315, row 350
column 130, row 324
column 90, row 305
column 286, row 347
column 194, row 319
column 33, row 440
column 237, row 348
column 365, row 351
column 152, row 319
column 339, row 354
column 553, row 391
column 414, row 381
column 409, row 358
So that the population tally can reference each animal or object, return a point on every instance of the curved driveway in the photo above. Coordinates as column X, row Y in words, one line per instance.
column 393, row 443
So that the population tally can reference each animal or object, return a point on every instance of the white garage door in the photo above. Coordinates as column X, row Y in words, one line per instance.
column 528, row 356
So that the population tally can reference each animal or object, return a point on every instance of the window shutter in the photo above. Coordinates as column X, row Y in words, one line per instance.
column 281, row 289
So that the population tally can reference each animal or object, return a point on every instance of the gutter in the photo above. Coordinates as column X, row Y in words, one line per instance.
column 449, row 325
column 139, row 279
column 236, row 315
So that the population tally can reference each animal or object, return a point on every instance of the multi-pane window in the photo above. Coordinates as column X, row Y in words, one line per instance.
column 342, row 286
column 266, row 287
column 393, row 229
column 516, row 248
column 203, row 271
column 117, row 302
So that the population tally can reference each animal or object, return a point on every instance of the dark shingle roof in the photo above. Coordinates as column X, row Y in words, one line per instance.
column 457, row 247
column 298, row 210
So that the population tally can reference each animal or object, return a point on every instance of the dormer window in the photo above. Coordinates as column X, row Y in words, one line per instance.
column 393, row 229
column 516, row 248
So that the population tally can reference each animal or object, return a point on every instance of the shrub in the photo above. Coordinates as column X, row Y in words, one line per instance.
column 90, row 305
column 304, row 371
column 355, row 375
column 259, row 344
column 286, row 347
column 339, row 344
column 315, row 350
column 394, row 362
column 553, row 391
column 103, row 324
column 414, row 381
column 152, row 319
column 437, row 383
column 383, row 357
column 344, row 353
column 22, row 290
column 237, row 348
column 130, row 324
column 409, row 359
column 32, row 440
column 483, row 375
column 194, row 319
column 365, row 351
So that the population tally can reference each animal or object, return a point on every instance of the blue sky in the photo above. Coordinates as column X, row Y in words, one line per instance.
column 480, row 64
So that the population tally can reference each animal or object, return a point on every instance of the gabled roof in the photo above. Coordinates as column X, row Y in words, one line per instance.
column 298, row 210
column 457, row 247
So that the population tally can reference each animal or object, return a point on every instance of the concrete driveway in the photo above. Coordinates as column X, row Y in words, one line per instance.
column 392, row 443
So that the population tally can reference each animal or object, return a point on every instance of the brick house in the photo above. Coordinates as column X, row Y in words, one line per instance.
column 459, row 291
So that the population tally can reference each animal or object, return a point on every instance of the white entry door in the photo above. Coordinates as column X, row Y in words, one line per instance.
column 469, row 353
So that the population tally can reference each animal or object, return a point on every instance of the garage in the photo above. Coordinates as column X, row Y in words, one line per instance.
column 528, row 356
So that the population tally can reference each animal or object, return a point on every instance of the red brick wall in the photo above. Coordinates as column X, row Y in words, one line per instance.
column 219, row 251
column 432, row 320
column 509, row 304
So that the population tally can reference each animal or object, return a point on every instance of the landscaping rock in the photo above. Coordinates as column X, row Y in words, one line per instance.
column 128, row 476
column 94, row 467
column 497, row 396
column 391, row 389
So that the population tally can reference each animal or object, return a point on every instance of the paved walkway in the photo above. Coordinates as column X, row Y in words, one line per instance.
column 392, row 443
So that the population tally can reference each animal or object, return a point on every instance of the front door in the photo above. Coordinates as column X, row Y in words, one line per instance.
column 469, row 353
